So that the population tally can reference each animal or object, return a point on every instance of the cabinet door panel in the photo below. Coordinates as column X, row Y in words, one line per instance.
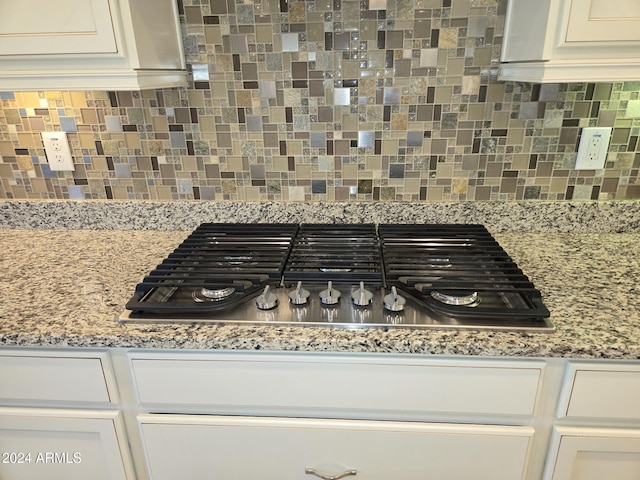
column 60, row 27
column 557, row 41
column 597, row 21
column 201, row 447
column 62, row 445
column 90, row 45
column 594, row 454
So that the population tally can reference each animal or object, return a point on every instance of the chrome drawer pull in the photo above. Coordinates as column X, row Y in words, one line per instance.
column 313, row 471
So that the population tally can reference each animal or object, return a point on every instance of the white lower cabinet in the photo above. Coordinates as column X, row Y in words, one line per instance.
column 223, row 447
column 275, row 416
column 57, row 444
column 125, row 414
column 60, row 417
column 600, row 400
column 582, row 453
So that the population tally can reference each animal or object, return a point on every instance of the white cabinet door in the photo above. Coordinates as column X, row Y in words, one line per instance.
column 90, row 45
column 210, row 447
column 63, row 445
column 580, row 453
column 567, row 41
column 604, row 21
column 63, row 26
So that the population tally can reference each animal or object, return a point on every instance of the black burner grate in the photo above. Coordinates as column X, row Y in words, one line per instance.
column 218, row 258
column 458, row 270
column 339, row 253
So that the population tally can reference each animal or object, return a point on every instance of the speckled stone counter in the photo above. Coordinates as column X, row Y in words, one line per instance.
column 538, row 216
column 67, row 288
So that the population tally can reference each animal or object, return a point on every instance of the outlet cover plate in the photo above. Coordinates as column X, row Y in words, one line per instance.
column 593, row 148
column 59, row 156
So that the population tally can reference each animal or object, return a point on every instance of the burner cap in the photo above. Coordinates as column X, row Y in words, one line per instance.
column 240, row 259
column 465, row 298
column 212, row 294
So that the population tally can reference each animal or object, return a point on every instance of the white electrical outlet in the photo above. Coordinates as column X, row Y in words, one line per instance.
column 58, row 153
column 593, row 148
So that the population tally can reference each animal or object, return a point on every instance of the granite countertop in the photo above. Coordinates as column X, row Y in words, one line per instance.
column 67, row 288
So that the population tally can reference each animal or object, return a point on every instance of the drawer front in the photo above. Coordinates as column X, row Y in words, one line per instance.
column 205, row 447
column 339, row 384
column 601, row 391
column 54, row 378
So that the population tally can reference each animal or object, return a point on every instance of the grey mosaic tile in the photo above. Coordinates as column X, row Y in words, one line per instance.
column 342, row 96
column 317, row 139
column 238, row 43
column 112, row 123
column 366, row 139
column 290, row 42
column 414, row 139
column 392, row 95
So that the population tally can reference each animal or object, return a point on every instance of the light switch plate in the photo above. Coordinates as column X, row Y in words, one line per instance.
column 593, row 148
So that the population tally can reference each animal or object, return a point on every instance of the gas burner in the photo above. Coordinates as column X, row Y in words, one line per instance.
column 465, row 298
column 439, row 262
column 340, row 253
column 212, row 294
column 246, row 259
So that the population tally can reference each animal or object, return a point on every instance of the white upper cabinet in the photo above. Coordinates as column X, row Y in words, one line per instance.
column 571, row 41
column 90, row 45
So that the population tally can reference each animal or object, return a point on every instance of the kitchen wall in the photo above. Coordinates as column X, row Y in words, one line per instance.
column 339, row 100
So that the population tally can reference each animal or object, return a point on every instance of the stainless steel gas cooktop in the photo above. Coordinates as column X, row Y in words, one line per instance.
column 341, row 275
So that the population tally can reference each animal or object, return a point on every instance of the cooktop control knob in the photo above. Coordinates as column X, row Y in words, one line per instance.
column 330, row 296
column 299, row 296
column 394, row 302
column 267, row 300
column 362, row 297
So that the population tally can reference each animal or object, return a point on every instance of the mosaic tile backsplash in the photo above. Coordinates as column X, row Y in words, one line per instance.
column 328, row 100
